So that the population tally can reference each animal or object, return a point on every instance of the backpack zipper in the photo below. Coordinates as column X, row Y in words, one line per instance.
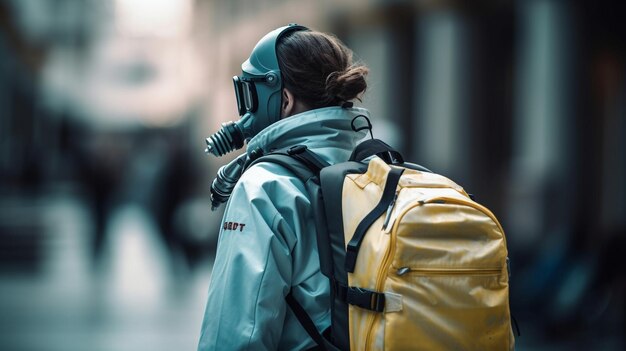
column 447, row 271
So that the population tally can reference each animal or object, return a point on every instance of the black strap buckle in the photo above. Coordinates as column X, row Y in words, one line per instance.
column 371, row 300
column 364, row 298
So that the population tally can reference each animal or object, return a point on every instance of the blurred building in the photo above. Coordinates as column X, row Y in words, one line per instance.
column 107, row 103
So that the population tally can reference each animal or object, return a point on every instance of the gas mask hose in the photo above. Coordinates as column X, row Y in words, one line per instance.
column 228, row 138
column 224, row 182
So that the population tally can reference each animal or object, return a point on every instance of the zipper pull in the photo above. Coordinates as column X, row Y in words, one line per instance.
column 403, row 270
column 389, row 210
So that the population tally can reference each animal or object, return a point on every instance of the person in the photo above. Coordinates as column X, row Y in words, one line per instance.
column 267, row 244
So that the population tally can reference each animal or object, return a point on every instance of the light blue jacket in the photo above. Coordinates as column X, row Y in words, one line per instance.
column 267, row 243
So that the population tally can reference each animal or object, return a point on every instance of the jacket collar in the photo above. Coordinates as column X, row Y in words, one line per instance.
column 328, row 127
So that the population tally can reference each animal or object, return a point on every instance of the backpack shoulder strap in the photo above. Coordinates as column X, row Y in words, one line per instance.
column 332, row 181
column 303, row 162
column 376, row 147
column 381, row 149
column 308, row 324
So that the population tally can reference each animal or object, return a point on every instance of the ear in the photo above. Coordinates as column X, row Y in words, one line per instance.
column 288, row 104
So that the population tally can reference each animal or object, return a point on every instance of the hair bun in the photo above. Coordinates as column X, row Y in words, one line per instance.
column 346, row 85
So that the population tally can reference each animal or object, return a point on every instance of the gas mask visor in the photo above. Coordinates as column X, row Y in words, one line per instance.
column 245, row 92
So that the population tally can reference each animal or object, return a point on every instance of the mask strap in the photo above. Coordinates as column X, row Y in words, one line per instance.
column 368, row 126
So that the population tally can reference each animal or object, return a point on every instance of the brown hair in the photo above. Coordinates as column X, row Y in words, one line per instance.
column 318, row 69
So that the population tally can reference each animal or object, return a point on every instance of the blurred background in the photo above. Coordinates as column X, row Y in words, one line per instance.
column 106, row 234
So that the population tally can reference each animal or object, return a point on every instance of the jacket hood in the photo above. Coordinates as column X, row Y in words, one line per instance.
column 322, row 130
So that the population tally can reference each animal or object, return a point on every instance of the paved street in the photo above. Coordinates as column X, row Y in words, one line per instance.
column 138, row 300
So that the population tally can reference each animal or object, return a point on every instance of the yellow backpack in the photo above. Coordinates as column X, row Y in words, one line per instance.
column 414, row 263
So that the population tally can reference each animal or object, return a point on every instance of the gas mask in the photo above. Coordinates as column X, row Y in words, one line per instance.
column 259, row 95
